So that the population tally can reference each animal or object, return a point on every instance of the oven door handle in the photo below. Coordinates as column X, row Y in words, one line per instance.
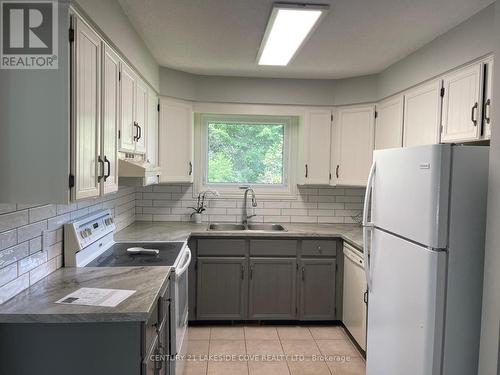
column 187, row 262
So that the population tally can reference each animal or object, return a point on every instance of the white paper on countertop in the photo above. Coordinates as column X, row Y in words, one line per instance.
column 96, row 297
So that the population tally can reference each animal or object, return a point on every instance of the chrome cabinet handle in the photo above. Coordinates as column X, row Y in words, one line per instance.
column 109, row 168
column 190, row 168
column 337, row 171
column 487, row 106
column 140, row 132
column 303, row 273
column 101, row 162
column 136, row 131
column 251, row 272
column 472, row 115
column 307, row 170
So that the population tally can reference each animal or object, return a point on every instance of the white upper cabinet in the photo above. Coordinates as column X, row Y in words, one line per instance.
column 152, row 128
column 176, row 141
column 389, row 123
column 488, row 97
column 316, row 147
column 134, row 112
column 462, row 109
column 110, row 118
column 141, row 111
column 422, row 114
column 128, row 129
column 354, row 138
column 86, row 124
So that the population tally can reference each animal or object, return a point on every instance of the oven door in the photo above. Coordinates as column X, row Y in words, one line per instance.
column 181, row 307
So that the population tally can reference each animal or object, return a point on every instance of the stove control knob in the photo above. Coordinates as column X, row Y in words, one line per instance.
column 82, row 234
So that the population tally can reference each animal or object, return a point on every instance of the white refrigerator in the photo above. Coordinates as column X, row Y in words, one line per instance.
column 424, row 228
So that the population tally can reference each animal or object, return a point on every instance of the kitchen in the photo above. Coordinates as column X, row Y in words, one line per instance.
column 268, row 188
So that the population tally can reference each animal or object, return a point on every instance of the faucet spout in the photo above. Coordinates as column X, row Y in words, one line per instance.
column 246, row 216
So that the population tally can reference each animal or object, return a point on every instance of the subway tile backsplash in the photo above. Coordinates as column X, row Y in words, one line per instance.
column 313, row 205
column 31, row 236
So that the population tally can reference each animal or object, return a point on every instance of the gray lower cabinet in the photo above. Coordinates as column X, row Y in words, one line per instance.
column 266, row 279
column 317, row 289
column 222, row 288
column 272, row 292
column 84, row 348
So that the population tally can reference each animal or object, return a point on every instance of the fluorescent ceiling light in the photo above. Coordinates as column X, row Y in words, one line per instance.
column 288, row 28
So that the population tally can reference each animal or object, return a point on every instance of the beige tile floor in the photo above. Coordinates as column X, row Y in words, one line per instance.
column 269, row 350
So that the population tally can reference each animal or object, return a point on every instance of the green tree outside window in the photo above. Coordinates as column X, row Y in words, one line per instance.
column 245, row 153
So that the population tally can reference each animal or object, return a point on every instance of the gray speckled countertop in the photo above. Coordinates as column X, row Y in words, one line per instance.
column 36, row 304
column 176, row 231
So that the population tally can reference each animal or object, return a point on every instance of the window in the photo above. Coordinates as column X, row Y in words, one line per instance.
column 245, row 150
column 243, row 153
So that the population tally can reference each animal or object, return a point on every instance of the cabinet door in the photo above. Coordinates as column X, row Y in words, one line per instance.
column 128, row 130
column 222, row 291
column 141, row 111
column 273, row 288
column 422, row 115
column 317, row 289
column 152, row 131
column 176, row 141
column 389, row 123
column 110, row 116
column 355, row 136
column 461, row 105
column 316, row 169
column 488, row 97
column 87, row 111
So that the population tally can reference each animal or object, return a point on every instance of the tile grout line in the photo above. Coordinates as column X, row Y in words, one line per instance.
column 246, row 349
column 282, row 348
column 209, row 342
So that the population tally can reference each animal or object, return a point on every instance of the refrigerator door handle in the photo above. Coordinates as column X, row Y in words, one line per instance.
column 367, row 226
column 366, row 232
column 369, row 188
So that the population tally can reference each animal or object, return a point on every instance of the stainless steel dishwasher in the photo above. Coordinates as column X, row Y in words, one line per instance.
column 354, row 301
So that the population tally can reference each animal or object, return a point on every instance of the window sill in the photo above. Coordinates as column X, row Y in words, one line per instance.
column 261, row 193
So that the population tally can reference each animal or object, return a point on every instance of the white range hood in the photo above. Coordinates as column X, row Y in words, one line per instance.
column 138, row 172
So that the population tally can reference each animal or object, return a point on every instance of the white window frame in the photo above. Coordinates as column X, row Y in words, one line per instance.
column 287, row 190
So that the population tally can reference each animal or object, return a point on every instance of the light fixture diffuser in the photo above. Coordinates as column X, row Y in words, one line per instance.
column 289, row 26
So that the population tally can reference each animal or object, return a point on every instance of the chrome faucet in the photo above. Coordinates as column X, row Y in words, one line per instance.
column 245, row 204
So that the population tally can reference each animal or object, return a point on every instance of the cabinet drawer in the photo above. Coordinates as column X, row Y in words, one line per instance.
column 319, row 248
column 221, row 247
column 273, row 247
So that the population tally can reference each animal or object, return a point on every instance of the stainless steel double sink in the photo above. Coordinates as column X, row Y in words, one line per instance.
column 243, row 227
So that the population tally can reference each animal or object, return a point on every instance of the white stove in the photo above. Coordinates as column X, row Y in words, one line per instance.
column 88, row 242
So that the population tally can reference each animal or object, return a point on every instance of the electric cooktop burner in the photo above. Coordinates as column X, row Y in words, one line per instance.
column 118, row 256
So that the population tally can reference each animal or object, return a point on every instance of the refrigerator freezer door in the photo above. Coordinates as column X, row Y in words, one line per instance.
column 405, row 307
column 410, row 193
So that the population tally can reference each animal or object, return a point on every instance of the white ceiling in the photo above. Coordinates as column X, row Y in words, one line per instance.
column 357, row 37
